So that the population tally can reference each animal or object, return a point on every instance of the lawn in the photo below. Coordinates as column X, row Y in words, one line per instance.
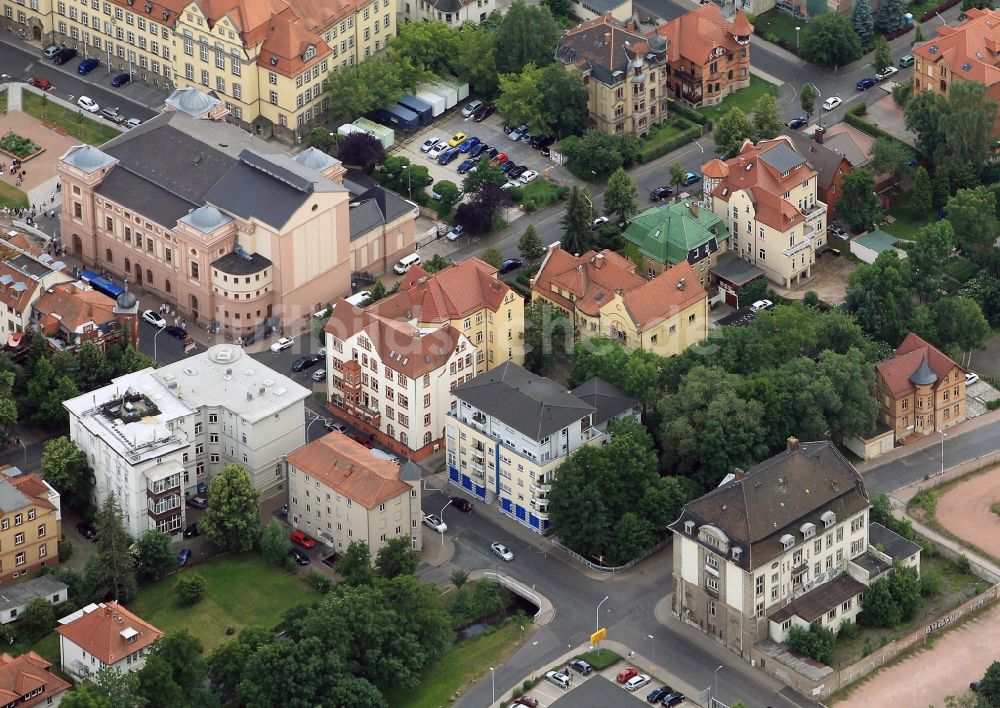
column 742, row 99
column 242, row 590
column 540, row 194
column 668, row 136
column 908, row 222
column 75, row 122
column 600, row 659
column 48, row 647
column 12, row 197
column 780, row 24
column 456, row 670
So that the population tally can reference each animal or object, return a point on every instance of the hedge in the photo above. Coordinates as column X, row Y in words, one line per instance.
column 652, row 151
column 685, row 111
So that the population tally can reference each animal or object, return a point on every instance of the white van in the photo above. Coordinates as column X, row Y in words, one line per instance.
column 406, row 262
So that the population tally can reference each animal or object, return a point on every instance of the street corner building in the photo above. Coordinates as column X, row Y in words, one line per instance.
column 392, row 365
column 510, row 429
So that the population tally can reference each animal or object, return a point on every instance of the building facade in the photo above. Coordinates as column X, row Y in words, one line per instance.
column 920, row 389
column 453, row 12
column 339, row 493
column 267, row 62
column 27, row 680
column 30, row 524
column 510, row 429
column 768, row 196
column 71, row 314
column 104, row 635
column 156, row 437
column 782, row 545
column 676, row 233
column 602, row 296
column 17, row 597
column 24, row 278
column 392, row 365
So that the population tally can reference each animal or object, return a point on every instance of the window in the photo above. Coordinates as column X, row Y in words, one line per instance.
column 41, row 531
column 760, row 584
column 194, row 271
column 712, row 583
column 711, row 608
column 213, row 417
column 213, row 459
column 19, row 560
column 18, row 519
column 19, row 539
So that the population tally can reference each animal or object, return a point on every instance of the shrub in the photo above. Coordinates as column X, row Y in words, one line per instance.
column 320, row 582
column 190, row 588
column 848, row 630
column 868, row 648
column 817, row 642
column 858, row 109
column 65, row 551
column 964, row 565
column 930, row 582
column 682, row 109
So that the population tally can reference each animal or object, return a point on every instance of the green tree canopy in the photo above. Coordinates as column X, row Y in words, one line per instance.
column 66, row 468
column 809, row 94
column 972, row 214
column 355, row 565
column 883, row 55
column 396, row 557
column 530, row 34
column 110, row 571
column 858, row 205
column 880, row 297
column 925, row 116
column 890, row 17
column 928, row 255
column 576, row 222
column 989, row 686
column 862, row 22
column 731, row 130
column 829, row 40
column 274, row 544
column 232, row 520
column 766, row 122
column 546, row 334
column 969, row 132
column 920, row 197
column 893, row 156
column 620, row 196
column 530, row 245
column 153, row 556
column 959, row 324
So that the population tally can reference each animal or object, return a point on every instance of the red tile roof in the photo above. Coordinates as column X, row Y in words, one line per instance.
column 20, row 675
column 74, row 308
column 286, row 43
column 31, row 486
column 350, row 468
column 695, row 34
column 906, row 360
column 449, row 294
column 100, row 632
column 974, row 44
column 664, row 296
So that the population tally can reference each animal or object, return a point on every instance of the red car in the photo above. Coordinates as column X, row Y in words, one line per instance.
column 625, row 674
column 41, row 83
column 525, row 701
column 305, row 540
column 363, row 439
column 499, row 159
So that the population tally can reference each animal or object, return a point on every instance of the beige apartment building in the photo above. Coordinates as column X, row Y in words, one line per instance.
column 267, row 61
column 767, row 195
column 339, row 493
column 30, row 524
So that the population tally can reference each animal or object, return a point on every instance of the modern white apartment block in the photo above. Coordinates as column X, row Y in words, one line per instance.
column 157, row 436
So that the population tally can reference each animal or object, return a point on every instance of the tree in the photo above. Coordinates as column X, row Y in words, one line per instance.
column 274, row 544
column 110, row 571
column 858, row 205
column 559, row 8
column 925, row 115
column 861, row 21
column 107, row 688
column 880, row 297
column 918, row 34
column 228, row 662
column 459, row 577
column 66, row 468
column 436, row 263
column 596, row 152
column 546, row 333
column 492, row 256
column 985, row 290
column 474, row 58
column 576, row 222
column 427, row 44
column 564, row 100
column 190, row 587
column 892, row 156
column 972, row 214
column 446, row 189
column 940, row 187
column 633, row 370
column 934, row 244
column 473, row 217
column 83, row 696
column 968, row 135
column 891, row 16
column 520, row 98
column 153, row 556
column 809, row 94
column 989, row 686
column 132, row 360
column 879, row 608
column 182, row 666
column 355, row 565
column 396, row 557
column 817, row 642
column 530, row 245
column 829, row 40
column 529, row 35
column 904, row 585
column 920, row 198
column 361, row 88
column 232, row 520
column 959, row 324
column 363, row 150
column 37, row 620
column 766, row 123
column 46, row 391
column 677, row 176
column 619, row 196
column 731, row 130
column 883, row 55
column 94, row 370
column 323, row 139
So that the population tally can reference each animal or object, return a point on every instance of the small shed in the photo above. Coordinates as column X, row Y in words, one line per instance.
column 385, row 134
column 871, row 245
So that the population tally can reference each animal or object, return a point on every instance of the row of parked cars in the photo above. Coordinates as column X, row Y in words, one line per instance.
column 460, row 144
column 60, row 55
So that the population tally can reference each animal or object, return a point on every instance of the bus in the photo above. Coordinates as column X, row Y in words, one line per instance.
column 101, row 285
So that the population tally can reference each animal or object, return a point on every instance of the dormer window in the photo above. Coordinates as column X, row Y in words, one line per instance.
column 787, row 541
column 309, row 53
column 828, row 518
column 737, row 552
column 689, row 527
column 808, row 530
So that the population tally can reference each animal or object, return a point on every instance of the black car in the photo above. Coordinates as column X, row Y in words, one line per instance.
column 304, row 362
column 507, row 128
column 300, row 557
column 580, row 666
column 658, row 694
column 175, row 331
column 483, row 112
column 492, row 152
column 191, row 530
column 64, row 56
column 87, row 530
column 660, row 193
column 796, row 123
column 542, row 141
column 517, row 171
column 510, row 264
column 463, row 505
column 673, row 699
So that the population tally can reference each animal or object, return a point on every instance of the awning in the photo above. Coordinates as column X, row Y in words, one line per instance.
column 14, row 339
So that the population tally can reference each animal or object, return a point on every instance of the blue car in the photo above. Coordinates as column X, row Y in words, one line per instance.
column 87, row 66
column 865, row 84
column 445, row 157
column 120, row 80
column 479, row 149
column 466, row 165
column 452, row 156
column 469, row 144
column 658, row 694
column 183, row 557
column 507, row 166
column 690, row 178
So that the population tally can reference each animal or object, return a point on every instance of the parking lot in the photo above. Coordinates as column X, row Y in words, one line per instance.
column 489, row 131
column 602, row 690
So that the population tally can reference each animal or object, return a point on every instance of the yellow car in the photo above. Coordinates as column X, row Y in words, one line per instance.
column 457, row 139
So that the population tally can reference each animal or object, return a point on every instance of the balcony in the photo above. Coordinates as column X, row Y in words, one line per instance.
column 813, row 212
column 802, row 245
column 540, row 488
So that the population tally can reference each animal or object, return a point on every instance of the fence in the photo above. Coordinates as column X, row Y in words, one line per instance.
column 617, row 568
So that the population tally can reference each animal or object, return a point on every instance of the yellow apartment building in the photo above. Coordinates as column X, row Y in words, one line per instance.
column 30, row 524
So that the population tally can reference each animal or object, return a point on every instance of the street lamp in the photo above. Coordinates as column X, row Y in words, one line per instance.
column 493, row 680
column 797, row 36
column 441, row 516
column 21, row 443
column 154, row 340
column 652, row 657
column 597, row 620
column 943, row 436
column 409, row 181
column 717, row 683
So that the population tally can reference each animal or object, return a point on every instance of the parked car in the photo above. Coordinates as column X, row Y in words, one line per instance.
column 479, row 149
column 469, row 143
column 974, row 686
column 300, row 557
column 498, row 159
column 506, row 167
column 466, row 165
column 318, row 375
column 691, row 178
column 492, row 152
column 87, row 530
column 886, row 73
column 832, row 102
column 457, row 139
column 762, row 305
column 176, row 332
column 198, row 502
column 971, row 378
column 88, row 104
column 599, row 221
column 866, row 83
column 528, row 176
column 449, row 157
column 673, row 699
column 41, row 83
column 64, row 56
column 191, row 530
column 625, row 674
column 335, row 427
column 518, row 132
column 660, row 193
column 526, row 701
column 435, row 522
column 581, row 667
column 154, row 319
column 540, row 141
column 456, row 233
column 502, row 551
column 51, row 51
column 517, row 171
column 906, row 60
column 796, row 123
column 637, row 682
column 183, row 557
column 429, row 143
column 86, row 66
column 461, row 503
column 558, row 678
column 301, row 538
column 304, row 362
column 658, row 694
column 132, row 123
column 510, row 264
column 435, row 150
column 470, row 108
column 112, row 115
column 282, row 344
column 483, row 112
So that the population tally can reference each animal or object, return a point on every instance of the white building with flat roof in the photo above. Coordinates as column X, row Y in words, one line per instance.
column 155, row 437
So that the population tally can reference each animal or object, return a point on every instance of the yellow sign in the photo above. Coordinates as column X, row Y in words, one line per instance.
column 600, row 634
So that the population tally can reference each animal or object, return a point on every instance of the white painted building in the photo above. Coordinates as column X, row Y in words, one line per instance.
column 156, row 437
column 101, row 635
column 454, row 12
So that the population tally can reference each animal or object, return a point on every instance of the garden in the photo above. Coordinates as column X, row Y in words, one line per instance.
column 742, row 99
column 72, row 122
column 778, row 27
column 667, row 136
column 19, row 147
column 11, row 197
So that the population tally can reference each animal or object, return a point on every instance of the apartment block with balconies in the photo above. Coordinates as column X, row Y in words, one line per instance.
column 509, row 431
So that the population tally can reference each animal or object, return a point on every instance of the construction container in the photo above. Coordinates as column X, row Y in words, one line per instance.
column 398, row 117
column 461, row 88
column 421, row 108
column 437, row 102
column 449, row 94
column 385, row 134
column 348, row 128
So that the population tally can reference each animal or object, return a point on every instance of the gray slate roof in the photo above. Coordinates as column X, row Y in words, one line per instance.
column 891, row 543
column 533, row 405
column 823, row 158
column 375, row 207
column 607, row 399
column 782, row 158
column 844, row 144
column 735, row 269
column 11, row 498
column 410, row 471
column 820, row 600
column 776, row 497
column 590, row 45
column 233, row 264
column 13, row 596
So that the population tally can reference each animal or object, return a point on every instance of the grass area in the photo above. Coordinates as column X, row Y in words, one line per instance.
column 12, row 197
column 920, row 7
column 668, row 136
column 600, row 659
column 242, row 590
column 779, row 24
column 541, row 193
column 457, row 669
column 48, row 647
column 74, row 122
column 742, row 99
column 908, row 221
column 957, row 586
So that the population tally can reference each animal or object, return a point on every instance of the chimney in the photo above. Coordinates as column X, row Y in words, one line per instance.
column 793, row 444
column 738, row 474
column 818, row 135
column 694, row 209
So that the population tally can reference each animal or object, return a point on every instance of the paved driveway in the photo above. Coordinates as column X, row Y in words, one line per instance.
column 829, row 280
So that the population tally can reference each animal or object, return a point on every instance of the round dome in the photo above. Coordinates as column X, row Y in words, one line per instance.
column 193, row 101
column 126, row 301
column 316, row 159
column 89, row 158
column 207, row 218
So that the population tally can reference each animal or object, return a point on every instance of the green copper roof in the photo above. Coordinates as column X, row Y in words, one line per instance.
column 667, row 234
